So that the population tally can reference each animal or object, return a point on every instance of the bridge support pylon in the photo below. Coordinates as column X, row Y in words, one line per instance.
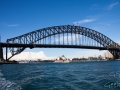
column 1, row 53
column 6, row 53
column 115, row 53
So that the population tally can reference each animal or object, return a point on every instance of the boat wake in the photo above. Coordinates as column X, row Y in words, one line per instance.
column 7, row 85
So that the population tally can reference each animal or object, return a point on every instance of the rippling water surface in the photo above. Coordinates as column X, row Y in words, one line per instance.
column 102, row 75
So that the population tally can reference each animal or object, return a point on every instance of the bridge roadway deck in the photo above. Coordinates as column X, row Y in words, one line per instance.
column 16, row 45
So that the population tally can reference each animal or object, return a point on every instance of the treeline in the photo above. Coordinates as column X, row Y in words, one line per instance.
column 80, row 59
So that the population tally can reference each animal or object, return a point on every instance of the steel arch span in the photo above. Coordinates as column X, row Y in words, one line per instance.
column 64, row 35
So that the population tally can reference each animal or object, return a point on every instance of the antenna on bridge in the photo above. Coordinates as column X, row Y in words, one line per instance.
column 76, row 23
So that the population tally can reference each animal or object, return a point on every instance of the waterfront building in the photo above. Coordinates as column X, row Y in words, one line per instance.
column 92, row 58
column 100, row 57
column 108, row 55
column 62, row 59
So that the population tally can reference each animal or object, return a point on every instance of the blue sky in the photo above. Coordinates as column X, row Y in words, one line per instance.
column 18, row 17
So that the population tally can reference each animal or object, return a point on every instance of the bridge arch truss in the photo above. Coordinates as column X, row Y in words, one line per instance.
column 65, row 35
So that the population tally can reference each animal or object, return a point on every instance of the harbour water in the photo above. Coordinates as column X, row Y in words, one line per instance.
column 95, row 75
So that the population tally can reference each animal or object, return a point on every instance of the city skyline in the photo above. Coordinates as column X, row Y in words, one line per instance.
column 20, row 17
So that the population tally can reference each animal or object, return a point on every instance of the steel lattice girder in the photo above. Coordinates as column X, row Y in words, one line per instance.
column 34, row 36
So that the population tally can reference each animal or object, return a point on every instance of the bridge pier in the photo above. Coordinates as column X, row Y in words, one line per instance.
column 115, row 53
column 6, row 53
column 1, row 53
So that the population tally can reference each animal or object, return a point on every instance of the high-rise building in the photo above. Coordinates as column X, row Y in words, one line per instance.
column 100, row 57
column 108, row 55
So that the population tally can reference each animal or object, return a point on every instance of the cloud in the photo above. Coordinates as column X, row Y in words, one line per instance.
column 84, row 21
column 8, row 25
column 112, row 5
column 30, row 56
column 13, row 25
column 94, row 6
column 95, row 16
column 106, row 24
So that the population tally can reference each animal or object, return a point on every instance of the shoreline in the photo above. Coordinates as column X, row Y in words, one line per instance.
column 9, row 63
column 58, row 62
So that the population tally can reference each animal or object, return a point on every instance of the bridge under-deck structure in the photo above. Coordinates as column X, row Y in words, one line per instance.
column 64, row 36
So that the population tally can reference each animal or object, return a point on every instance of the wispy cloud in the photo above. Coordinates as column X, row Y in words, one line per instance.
column 96, row 16
column 8, row 25
column 94, row 6
column 84, row 21
column 106, row 24
column 13, row 25
column 109, row 7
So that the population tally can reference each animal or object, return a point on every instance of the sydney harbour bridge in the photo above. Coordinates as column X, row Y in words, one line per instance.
column 65, row 36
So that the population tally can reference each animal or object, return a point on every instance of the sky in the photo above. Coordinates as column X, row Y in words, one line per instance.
column 18, row 17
